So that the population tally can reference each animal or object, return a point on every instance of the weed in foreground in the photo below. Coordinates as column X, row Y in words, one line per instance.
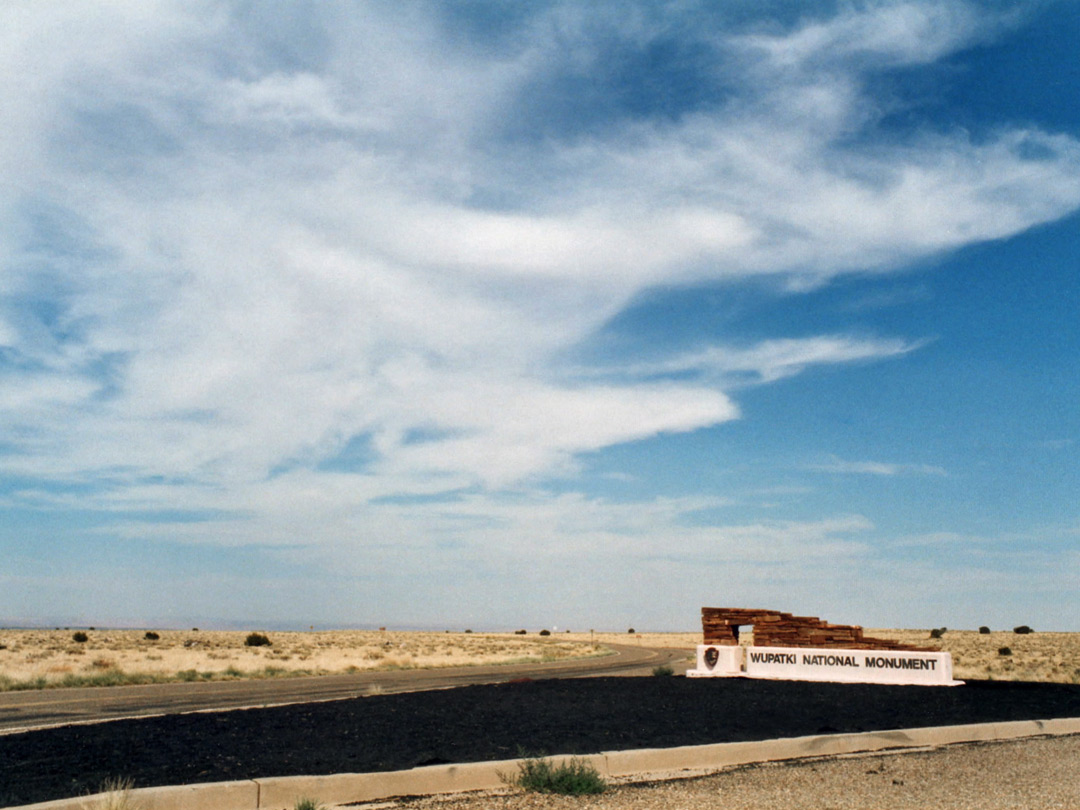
column 663, row 671
column 305, row 803
column 116, row 795
column 573, row 777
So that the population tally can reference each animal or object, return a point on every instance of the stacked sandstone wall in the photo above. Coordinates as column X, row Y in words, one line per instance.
column 775, row 629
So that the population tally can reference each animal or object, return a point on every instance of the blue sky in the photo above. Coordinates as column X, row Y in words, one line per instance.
column 553, row 314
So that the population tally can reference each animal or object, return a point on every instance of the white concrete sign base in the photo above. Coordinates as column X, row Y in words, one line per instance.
column 841, row 666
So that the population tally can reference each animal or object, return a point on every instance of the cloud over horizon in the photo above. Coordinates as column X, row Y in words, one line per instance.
column 283, row 267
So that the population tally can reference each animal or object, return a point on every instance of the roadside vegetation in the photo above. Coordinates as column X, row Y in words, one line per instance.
column 43, row 659
column 116, row 795
column 570, row 777
column 977, row 654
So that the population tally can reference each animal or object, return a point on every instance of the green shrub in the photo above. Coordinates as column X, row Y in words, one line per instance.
column 80, row 637
column 984, row 630
column 631, row 631
column 305, row 803
column 150, row 635
column 545, row 632
column 1004, row 651
column 1023, row 630
column 938, row 633
column 256, row 640
column 573, row 777
column 663, row 671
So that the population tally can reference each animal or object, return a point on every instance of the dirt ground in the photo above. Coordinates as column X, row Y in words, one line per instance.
column 52, row 657
column 35, row 658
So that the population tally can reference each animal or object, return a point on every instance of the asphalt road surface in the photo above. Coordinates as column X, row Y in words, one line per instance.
column 23, row 711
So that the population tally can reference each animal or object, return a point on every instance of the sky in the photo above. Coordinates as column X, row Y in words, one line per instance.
column 576, row 315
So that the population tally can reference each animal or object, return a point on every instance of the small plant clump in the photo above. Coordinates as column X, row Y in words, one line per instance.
column 573, row 777
column 545, row 632
column 80, row 637
column 151, row 636
column 305, row 803
column 663, row 671
column 117, row 795
column 257, row 640
column 1004, row 651
column 984, row 630
column 938, row 633
column 631, row 631
column 1022, row 630
column 521, row 632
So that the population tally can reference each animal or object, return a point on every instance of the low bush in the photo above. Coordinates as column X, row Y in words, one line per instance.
column 1022, row 630
column 305, row 803
column 1004, row 651
column 631, row 631
column 151, row 636
column 545, row 632
column 521, row 632
column 938, row 633
column 663, row 671
column 573, row 777
column 80, row 637
column 984, row 630
column 257, row 640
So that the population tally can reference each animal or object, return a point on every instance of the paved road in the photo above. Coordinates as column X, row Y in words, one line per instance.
column 22, row 711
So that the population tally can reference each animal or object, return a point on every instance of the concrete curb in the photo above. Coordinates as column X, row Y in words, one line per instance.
column 281, row 793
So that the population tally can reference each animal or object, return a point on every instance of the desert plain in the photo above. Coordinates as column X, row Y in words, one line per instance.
column 47, row 658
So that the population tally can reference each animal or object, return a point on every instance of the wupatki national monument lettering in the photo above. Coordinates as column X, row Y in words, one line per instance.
column 804, row 648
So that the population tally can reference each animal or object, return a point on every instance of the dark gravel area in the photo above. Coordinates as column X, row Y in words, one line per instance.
column 477, row 723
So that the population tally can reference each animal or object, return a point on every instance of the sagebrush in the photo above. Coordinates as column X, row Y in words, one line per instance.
column 572, row 777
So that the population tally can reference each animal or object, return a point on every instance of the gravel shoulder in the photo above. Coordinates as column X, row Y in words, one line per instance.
column 1032, row 774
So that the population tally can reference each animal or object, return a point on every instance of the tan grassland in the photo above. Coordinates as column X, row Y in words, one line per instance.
column 51, row 658
column 1047, row 657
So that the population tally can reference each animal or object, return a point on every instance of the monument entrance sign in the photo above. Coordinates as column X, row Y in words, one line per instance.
column 802, row 648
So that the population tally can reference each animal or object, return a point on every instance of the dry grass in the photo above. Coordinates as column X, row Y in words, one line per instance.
column 115, row 795
column 49, row 658
column 1049, row 657
column 46, row 658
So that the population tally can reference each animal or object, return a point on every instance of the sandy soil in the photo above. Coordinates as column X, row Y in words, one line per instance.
column 52, row 655
column 1048, row 657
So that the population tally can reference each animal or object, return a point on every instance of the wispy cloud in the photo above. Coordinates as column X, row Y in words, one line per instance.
column 250, row 232
column 843, row 467
column 229, row 254
column 776, row 359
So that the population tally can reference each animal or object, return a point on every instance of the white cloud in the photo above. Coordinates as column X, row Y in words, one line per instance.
column 842, row 466
column 900, row 33
column 773, row 360
column 274, row 256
